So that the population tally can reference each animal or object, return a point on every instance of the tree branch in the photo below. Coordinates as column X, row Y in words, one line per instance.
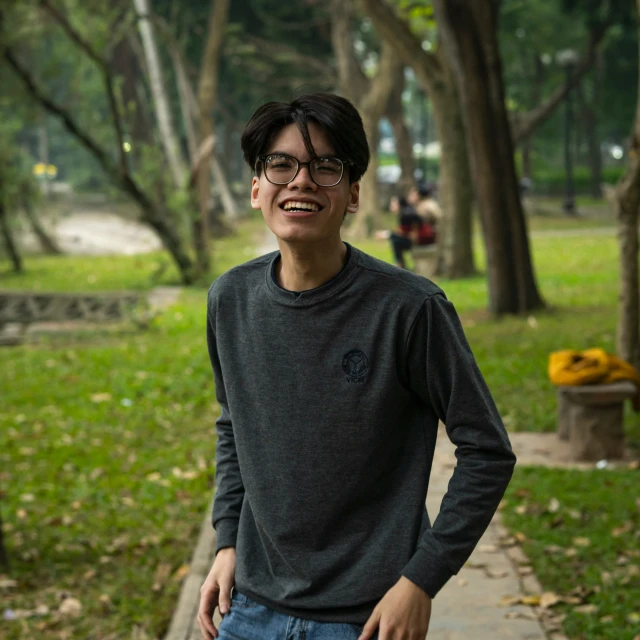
column 275, row 48
column 392, row 28
column 93, row 55
column 37, row 93
column 351, row 79
column 522, row 126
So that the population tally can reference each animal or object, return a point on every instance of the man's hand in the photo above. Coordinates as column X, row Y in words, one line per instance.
column 403, row 614
column 216, row 591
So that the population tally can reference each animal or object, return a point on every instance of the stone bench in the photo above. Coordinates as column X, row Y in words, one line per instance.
column 19, row 309
column 590, row 417
column 425, row 259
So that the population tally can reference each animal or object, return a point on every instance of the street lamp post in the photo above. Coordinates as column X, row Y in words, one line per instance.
column 567, row 60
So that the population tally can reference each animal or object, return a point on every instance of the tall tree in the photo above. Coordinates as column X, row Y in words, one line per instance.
column 370, row 96
column 628, row 213
column 168, row 136
column 106, row 144
column 432, row 70
column 207, row 89
column 469, row 35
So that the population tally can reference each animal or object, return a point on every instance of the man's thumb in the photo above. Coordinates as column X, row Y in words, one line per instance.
column 224, row 600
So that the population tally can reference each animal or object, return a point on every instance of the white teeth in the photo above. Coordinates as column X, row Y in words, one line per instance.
column 307, row 206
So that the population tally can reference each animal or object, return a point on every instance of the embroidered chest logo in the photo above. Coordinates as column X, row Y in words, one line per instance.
column 356, row 366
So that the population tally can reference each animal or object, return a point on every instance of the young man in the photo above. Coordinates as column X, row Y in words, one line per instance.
column 332, row 370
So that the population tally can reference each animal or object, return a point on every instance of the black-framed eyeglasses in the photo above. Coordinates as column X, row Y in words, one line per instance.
column 325, row 171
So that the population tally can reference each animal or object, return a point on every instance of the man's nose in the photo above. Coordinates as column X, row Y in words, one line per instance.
column 303, row 179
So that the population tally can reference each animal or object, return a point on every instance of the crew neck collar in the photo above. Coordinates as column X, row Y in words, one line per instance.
column 310, row 296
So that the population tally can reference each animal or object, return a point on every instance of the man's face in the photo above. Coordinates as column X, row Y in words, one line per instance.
column 330, row 203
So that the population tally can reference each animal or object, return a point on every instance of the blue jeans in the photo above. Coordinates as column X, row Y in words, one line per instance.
column 248, row 620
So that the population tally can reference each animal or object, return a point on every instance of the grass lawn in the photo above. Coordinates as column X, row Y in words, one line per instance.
column 107, row 443
column 583, row 531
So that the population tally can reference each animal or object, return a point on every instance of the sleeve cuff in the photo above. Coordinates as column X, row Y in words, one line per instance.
column 226, row 533
column 426, row 572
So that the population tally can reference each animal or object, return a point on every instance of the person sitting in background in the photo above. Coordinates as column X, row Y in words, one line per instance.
column 412, row 229
column 423, row 199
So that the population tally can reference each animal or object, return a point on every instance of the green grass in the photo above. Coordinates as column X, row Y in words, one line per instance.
column 601, row 510
column 90, row 486
column 95, row 498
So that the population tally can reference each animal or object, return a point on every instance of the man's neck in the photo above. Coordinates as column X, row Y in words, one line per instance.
column 303, row 267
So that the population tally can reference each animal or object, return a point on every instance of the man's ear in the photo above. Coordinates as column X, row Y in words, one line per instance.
column 255, row 192
column 354, row 198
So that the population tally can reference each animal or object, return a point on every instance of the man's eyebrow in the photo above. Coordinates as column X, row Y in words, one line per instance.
column 330, row 154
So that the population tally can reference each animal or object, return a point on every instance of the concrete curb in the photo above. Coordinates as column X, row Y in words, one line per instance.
column 183, row 623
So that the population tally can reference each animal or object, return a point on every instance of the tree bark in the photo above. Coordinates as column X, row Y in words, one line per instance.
column 370, row 98
column 589, row 121
column 168, row 136
column 47, row 243
column 628, row 208
column 469, row 35
column 435, row 78
column 404, row 147
column 4, row 558
column 9, row 242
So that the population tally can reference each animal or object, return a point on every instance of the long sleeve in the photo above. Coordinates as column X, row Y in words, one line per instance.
column 230, row 489
column 443, row 372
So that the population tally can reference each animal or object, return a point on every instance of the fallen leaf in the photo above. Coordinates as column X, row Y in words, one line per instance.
column 525, row 571
column 520, row 537
column 100, row 397
column 521, row 509
column 182, row 572
column 582, row 542
column 71, row 607
column 549, row 599
column 606, row 619
column 462, row 582
column 633, row 618
column 509, row 601
column 586, row 608
column 7, row 583
column 27, row 497
column 163, row 571
column 625, row 528
column 554, row 505
column 533, row 601
column 553, row 548
column 520, row 615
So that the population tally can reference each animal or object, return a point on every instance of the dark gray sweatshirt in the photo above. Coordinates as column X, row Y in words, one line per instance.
column 330, row 401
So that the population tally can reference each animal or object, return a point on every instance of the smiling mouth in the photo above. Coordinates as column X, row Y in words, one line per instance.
column 293, row 206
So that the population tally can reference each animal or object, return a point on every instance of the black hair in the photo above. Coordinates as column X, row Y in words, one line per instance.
column 337, row 117
column 403, row 202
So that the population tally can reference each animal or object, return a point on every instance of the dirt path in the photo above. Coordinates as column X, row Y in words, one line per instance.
column 100, row 233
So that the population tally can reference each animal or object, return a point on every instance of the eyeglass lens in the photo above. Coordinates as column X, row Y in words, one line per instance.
column 325, row 172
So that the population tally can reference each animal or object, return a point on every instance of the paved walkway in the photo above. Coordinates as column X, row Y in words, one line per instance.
column 469, row 606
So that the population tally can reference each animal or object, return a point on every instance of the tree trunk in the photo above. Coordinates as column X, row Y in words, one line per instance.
column 7, row 235
column 4, row 559
column 370, row 98
column 47, row 243
column 589, row 121
column 207, row 89
column 404, row 147
column 435, row 78
column 628, row 208
column 456, row 193
column 158, row 90
column 469, row 35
